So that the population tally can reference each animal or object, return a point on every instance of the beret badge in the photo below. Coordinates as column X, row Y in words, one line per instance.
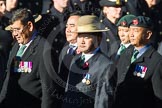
column 135, row 22
column 123, row 23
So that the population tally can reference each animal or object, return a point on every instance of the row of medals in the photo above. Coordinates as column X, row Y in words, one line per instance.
column 86, row 79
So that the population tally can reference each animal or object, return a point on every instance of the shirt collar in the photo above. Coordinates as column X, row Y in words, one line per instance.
column 88, row 56
column 73, row 44
column 143, row 50
column 126, row 45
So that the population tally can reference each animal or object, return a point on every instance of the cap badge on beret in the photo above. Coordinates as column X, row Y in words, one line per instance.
column 123, row 23
column 118, row 2
column 135, row 22
column 112, row 3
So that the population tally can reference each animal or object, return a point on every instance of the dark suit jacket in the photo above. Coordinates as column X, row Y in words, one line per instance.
column 136, row 92
column 64, row 66
column 64, row 62
column 27, row 90
column 81, row 95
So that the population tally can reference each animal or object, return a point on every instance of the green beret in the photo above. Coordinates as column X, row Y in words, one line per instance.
column 126, row 20
column 113, row 3
column 142, row 21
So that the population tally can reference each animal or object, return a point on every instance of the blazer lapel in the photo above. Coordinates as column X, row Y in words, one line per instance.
column 124, row 63
column 145, row 57
column 93, row 59
column 31, row 49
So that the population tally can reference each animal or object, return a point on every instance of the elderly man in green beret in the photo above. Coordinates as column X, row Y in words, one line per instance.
column 139, row 72
column 90, row 70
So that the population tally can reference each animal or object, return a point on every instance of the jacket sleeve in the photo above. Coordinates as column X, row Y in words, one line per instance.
column 105, row 90
column 157, row 84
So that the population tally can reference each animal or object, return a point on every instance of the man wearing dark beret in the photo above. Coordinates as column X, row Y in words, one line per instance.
column 139, row 72
column 123, row 32
column 148, row 8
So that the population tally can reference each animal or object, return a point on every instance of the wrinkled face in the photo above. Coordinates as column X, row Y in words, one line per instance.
column 2, row 8
column 87, row 43
column 11, row 4
column 20, row 32
column 71, row 26
column 139, row 36
column 123, row 33
column 112, row 12
column 61, row 3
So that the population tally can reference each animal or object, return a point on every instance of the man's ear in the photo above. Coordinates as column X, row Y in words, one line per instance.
column 30, row 26
column 149, row 34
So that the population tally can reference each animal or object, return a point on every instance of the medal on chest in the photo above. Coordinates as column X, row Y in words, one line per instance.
column 23, row 66
column 86, row 79
column 140, row 71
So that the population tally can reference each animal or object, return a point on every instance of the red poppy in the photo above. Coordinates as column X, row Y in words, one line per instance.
column 85, row 65
column 135, row 21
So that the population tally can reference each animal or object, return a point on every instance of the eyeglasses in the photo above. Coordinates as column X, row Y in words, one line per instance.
column 18, row 30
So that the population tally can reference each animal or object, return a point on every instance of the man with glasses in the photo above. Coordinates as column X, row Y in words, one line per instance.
column 25, row 85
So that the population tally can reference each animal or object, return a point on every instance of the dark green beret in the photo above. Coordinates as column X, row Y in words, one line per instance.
column 113, row 3
column 142, row 21
column 126, row 20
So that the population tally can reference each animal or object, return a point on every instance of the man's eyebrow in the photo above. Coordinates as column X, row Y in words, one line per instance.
column 72, row 24
column 15, row 28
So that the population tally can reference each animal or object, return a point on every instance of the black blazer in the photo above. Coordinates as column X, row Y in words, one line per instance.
column 139, row 92
column 27, row 90
column 64, row 62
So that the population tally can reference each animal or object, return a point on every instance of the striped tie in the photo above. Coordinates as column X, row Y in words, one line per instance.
column 21, row 50
column 82, row 59
column 121, row 49
column 71, row 50
column 134, row 56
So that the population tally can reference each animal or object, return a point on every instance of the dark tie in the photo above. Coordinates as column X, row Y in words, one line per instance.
column 71, row 49
column 21, row 50
column 82, row 59
column 134, row 56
